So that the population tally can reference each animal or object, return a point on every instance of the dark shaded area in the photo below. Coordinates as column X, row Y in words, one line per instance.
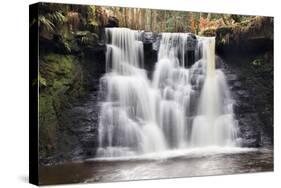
column 33, row 97
column 251, row 80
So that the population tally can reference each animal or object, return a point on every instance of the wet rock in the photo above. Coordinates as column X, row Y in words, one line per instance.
column 77, row 135
column 250, row 130
column 242, row 107
column 231, row 77
column 191, row 42
column 149, row 37
column 112, row 22
column 237, row 84
column 89, row 140
column 150, row 51
column 242, row 93
column 253, row 37
column 255, row 130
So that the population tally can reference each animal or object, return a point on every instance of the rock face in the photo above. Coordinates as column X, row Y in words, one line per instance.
column 149, row 40
column 252, row 89
column 69, row 72
column 60, row 81
column 254, row 36
column 79, row 135
column 68, row 108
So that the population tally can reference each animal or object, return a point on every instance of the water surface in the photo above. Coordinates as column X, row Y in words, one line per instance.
column 195, row 163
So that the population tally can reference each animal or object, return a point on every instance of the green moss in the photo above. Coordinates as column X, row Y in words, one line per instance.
column 48, row 124
column 61, row 80
column 58, row 70
column 257, row 62
column 86, row 38
column 209, row 32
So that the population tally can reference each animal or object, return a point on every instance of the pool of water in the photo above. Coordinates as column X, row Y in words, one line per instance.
column 179, row 163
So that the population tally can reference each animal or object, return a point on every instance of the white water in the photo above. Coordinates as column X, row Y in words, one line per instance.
column 179, row 109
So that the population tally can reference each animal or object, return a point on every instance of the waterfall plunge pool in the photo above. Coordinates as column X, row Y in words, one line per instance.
column 173, row 164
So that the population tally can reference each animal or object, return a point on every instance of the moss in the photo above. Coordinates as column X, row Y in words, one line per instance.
column 58, row 70
column 246, row 34
column 209, row 32
column 61, row 80
column 48, row 124
column 224, row 30
column 86, row 38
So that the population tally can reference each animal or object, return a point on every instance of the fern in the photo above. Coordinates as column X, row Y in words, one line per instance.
column 46, row 23
column 56, row 17
column 50, row 20
column 42, row 81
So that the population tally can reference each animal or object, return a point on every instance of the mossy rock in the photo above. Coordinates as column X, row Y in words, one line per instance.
column 255, row 35
column 60, row 80
column 209, row 33
column 86, row 38
column 92, row 26
column 48, row 124
column 57, row 70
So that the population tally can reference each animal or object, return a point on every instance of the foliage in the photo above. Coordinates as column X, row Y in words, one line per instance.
column 45, row 23
column 49, row 21
column 53, row 16
column 257, row 62
column 42, row 81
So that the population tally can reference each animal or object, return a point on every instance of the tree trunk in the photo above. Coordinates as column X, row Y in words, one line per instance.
column 151, row 23
column 155, row 29
column 175, row 21
column 142, row 18
column 126, row 17
column 133, row 18
column 164, row 22
column 137, row 18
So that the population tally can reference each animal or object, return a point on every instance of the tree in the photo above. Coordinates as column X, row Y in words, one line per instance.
column 151, row 22
column 143, row 19
column 126, row 17
column 154, row 20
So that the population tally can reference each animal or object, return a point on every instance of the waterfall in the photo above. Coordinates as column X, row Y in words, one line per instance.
column 179, row 108
column 214, row 123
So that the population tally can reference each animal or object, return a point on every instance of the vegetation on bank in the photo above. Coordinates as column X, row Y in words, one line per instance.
column 60, row 81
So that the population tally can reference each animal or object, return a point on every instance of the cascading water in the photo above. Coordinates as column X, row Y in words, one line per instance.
column 214, row 123
column 140, row 116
